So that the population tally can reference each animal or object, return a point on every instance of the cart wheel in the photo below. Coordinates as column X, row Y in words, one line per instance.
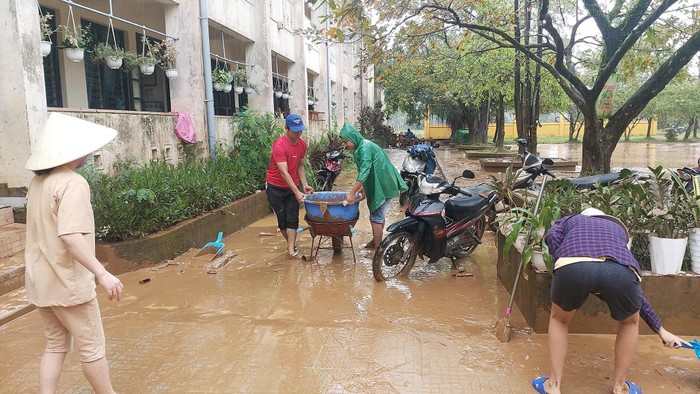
column 395, row 256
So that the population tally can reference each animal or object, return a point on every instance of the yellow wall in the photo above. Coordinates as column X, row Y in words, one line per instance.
column 551, row 129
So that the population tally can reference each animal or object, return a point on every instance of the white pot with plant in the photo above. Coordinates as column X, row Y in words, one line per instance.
column 75, row 39
column 111, row 55
column 249, row 90
column 167, row 55
column 238, row 89
column 219, row 79
column 46, row 32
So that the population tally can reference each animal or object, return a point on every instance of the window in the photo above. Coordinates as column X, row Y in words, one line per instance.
column 150, row 91
column 52, row 71
column 225, row 103
column 106, row 88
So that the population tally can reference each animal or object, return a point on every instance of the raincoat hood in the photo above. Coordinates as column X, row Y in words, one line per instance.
column 378, row 176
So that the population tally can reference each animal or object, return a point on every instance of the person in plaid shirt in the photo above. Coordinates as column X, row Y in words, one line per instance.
column 591, row 255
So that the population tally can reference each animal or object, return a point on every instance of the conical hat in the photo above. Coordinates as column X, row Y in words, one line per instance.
column 66, row 138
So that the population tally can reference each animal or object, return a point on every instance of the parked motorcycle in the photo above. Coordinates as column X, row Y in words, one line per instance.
column 428, row 232
column 419, row 158
column 333, row 165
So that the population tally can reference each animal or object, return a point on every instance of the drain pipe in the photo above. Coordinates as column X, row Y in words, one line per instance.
column 206, row 63
column 328, row 70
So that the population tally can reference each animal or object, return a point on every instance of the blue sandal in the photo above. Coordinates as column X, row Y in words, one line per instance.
column 634, row 389
column 538, row 384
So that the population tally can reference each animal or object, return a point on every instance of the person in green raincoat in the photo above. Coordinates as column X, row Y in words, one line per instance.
column 377, row 179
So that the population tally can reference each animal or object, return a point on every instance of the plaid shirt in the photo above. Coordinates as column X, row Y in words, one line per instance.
column 579, row 236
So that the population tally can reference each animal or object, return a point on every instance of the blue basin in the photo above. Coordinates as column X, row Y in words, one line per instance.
column 327, row 207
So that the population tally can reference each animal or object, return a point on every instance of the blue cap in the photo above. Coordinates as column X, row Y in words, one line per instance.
column 295, row 123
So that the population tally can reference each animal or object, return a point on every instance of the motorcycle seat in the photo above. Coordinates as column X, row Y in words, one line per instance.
column 461, row 206
column 588, row 182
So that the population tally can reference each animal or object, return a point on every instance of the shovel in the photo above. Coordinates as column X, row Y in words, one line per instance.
column 212, row 248
column 695, row 345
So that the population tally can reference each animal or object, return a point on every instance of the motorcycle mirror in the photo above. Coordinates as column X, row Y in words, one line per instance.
column 521, row 141
column 468, row 174
column 548, row 162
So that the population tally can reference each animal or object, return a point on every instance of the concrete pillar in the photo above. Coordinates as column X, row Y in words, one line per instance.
column 22, row 102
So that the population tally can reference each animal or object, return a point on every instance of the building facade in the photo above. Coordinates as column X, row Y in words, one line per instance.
column 286, row 73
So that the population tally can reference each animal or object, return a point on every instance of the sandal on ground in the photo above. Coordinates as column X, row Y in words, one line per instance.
column 293, row 256
column 538, row 384
column 634, row 389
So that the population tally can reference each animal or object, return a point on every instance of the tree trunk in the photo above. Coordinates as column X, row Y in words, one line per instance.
column 499, row 135
column 649, row 127
column 593, row 158
column 691, row 122
column 484, row 119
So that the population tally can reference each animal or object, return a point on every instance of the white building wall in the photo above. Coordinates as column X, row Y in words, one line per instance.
column 261, row 28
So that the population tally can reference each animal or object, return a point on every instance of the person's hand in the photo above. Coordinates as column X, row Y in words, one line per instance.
column 112, row 284
column 670, row 340
column 349, row 198
column 299, row 195
column 308, row 189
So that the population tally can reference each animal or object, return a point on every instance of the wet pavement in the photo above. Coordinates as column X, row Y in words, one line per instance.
column 264, row 324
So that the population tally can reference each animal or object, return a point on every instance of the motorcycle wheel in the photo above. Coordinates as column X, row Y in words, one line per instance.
column 395, row 256
column 471, row 244
column 323, row 184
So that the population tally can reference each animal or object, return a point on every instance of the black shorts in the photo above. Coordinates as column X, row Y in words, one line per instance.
column 285, row 205
column 614, row 283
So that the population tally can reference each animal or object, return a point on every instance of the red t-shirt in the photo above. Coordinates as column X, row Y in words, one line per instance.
column 284, row 151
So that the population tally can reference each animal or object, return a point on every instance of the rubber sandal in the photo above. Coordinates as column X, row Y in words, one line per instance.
column 292, row 256
column 634, row 389
column 538, row 384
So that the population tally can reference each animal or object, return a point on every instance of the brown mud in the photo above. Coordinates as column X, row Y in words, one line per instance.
column 259, row 323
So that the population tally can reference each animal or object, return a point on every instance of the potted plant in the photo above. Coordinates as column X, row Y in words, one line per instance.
column 75, row 40
column 220, row 78
column 111, row 55
column 240, row 80
column 167, row 55
column 46, row 32
column 310, row 100
column 668, row 221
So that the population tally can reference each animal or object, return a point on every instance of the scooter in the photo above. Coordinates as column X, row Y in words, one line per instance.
column 428, row 232
column 327, row 175
column 419, row 159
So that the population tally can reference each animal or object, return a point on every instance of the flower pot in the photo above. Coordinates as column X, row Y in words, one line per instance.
column 537, row 261
column 113, row 62
column 278, row 94
column 238, row 89
column 171, row 73
column 75, row 54
column 310, row 102
column 285, row 96
column 666, row 254
column 45, row 48
column 248, row 90
column 218, row 86
column 694, row 246
column 227, row 88
column 147, row 69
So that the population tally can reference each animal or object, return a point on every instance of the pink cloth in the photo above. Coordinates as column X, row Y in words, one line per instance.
column 184, row 129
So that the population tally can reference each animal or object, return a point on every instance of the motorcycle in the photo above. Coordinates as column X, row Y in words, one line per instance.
column 333, row 165
column 419, row 159
column 428, row 232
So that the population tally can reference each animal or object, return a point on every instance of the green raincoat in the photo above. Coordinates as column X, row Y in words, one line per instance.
column 378, row 176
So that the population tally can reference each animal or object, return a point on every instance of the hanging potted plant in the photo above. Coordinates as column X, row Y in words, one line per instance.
column 240, row 80
column 250, row 88
column 148, row 60
column 219, row 79
column 46, row 32
column 167, row 55
column 75, row 39
column 111, row 55
column 310, row 100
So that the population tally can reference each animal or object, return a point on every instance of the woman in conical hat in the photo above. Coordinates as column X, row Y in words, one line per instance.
column 61, row 266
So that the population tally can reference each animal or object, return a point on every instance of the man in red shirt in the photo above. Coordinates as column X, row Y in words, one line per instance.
column 284, row 173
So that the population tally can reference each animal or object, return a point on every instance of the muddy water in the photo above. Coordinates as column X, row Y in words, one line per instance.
column 261, row 324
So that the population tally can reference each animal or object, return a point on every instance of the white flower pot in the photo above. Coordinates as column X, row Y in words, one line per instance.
column 278, row 94
column 227, row 88
column 238, row 89
column 694, row 246
column 248, row 90
column 147, row 69
column 538, row 262
column 218, row 86
column 171, row 73
column 310, row 102
column 113, row 62
column 45, row 48
column 666, row 254
column 75, row 54
column 285, row 96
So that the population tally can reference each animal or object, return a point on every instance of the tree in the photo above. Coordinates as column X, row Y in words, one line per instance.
column 620, row 28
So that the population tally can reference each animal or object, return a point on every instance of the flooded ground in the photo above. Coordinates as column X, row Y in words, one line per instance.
column 265, row 324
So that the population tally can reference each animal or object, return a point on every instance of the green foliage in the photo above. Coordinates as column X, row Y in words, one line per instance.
column 371, row 122
column 220, row 75
column 166, row 53
column 45, row 26
column 138, row 200
column 102, row 51
column 79, row 37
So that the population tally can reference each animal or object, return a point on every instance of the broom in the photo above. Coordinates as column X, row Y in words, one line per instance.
column 502, row 328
